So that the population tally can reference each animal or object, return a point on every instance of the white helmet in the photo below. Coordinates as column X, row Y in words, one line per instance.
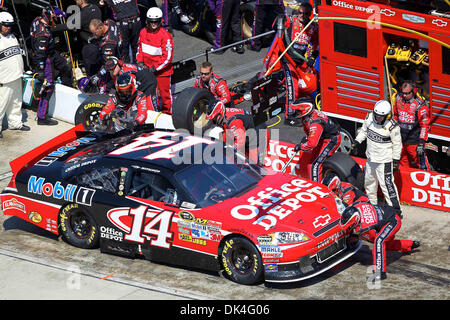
column 381, row 111
column 154, row 14
column 6, row 19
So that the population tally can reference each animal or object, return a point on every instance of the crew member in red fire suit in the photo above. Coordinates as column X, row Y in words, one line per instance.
column 128, row 102
column 237, row 125
column 265, row 14
column 378, row 225
column 295, row 85
column 155, row 51
column 322, row 135
column 412, row 114
column 345, row 191
column 213, row 83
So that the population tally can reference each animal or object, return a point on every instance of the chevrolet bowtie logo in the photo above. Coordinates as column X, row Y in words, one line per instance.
column 321, row 221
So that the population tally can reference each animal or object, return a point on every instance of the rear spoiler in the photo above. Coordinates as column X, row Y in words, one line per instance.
column 38, row 153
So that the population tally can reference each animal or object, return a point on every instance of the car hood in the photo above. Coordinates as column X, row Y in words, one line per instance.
column 284, row 203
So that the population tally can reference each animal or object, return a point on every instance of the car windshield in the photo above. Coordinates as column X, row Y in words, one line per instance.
column 213, row 183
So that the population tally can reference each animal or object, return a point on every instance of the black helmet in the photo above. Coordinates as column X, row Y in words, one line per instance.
column 350, row 217
column 126, row 88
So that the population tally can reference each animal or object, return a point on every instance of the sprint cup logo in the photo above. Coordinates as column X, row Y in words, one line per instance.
column 13, row 204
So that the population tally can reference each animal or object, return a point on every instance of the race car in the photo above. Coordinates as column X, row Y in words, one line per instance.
column 176, row 198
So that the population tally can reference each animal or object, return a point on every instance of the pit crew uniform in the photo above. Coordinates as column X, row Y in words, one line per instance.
column 46, row 60
column 136, row 109
column 155, row 50
column 379, row 225
column 217, row 86
column 264, row 10
column 384, row 145
column 235, row 125
column 295, row 85
column 227, row 16
column 414, row 121
column 323, row 139
column 11, row 72
column 127, row 16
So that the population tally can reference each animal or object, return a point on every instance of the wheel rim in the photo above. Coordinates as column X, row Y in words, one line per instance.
column 89, row 119
column 241, row 259
column 80, row 225
column 346, row 142
column 199, row 114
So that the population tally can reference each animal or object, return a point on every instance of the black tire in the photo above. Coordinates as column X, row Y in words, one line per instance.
column 345, row 168
column 89, row 110
column 189, row 109
column 241, row 261
column 78, row 227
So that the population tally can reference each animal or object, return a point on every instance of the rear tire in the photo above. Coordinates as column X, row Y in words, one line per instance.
column 78, row 227
column 89, row 110
column 345, row 168
column 189, row 110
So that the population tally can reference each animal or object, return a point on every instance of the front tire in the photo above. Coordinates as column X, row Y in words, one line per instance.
column 346, row 168
column 78, row 227
column 241, row 261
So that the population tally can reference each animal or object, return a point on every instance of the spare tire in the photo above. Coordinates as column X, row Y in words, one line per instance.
column 89, row 110
column 346, row 168
column 189, row 110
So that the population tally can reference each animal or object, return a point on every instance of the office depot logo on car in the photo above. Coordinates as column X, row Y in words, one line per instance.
column 433, row 189
column 278, row 203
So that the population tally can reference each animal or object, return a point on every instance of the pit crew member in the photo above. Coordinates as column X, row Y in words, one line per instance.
column 213, row 83
column 128, row 103
column 236, row 124
column 322, row 135
column 155, row 51
column 11, row 72
column 384, row 146
column 412, row 114
column 295, row 83
column 345, row 191
column 46, row 60
column 378, row 225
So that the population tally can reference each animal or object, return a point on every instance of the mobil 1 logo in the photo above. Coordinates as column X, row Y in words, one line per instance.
column 84, row 196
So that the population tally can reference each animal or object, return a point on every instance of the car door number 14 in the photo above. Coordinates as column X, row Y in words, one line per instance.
column 158, row 226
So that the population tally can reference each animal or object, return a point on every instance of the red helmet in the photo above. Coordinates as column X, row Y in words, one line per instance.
column 215, row 111
column 302, row 107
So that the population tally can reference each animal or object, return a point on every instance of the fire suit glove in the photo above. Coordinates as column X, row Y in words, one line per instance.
column 94, row 79
column 395, row 164
column 298, row 147
column 420, row 148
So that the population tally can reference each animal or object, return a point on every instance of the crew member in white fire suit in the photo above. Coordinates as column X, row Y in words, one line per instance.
column 384, row 147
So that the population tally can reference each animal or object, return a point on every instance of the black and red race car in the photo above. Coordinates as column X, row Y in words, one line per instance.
column 181, row 199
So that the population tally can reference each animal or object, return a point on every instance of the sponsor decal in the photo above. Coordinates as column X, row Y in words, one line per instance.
column 439, row 23
column 35, row 217
column 61, row 151
column 413, row 18
column 111, row 234
column 13, row 204
column 51, row 225
column 277, row 203
column 431, row 189
column 271, row 267
column 58, row 191
column 346, row 5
